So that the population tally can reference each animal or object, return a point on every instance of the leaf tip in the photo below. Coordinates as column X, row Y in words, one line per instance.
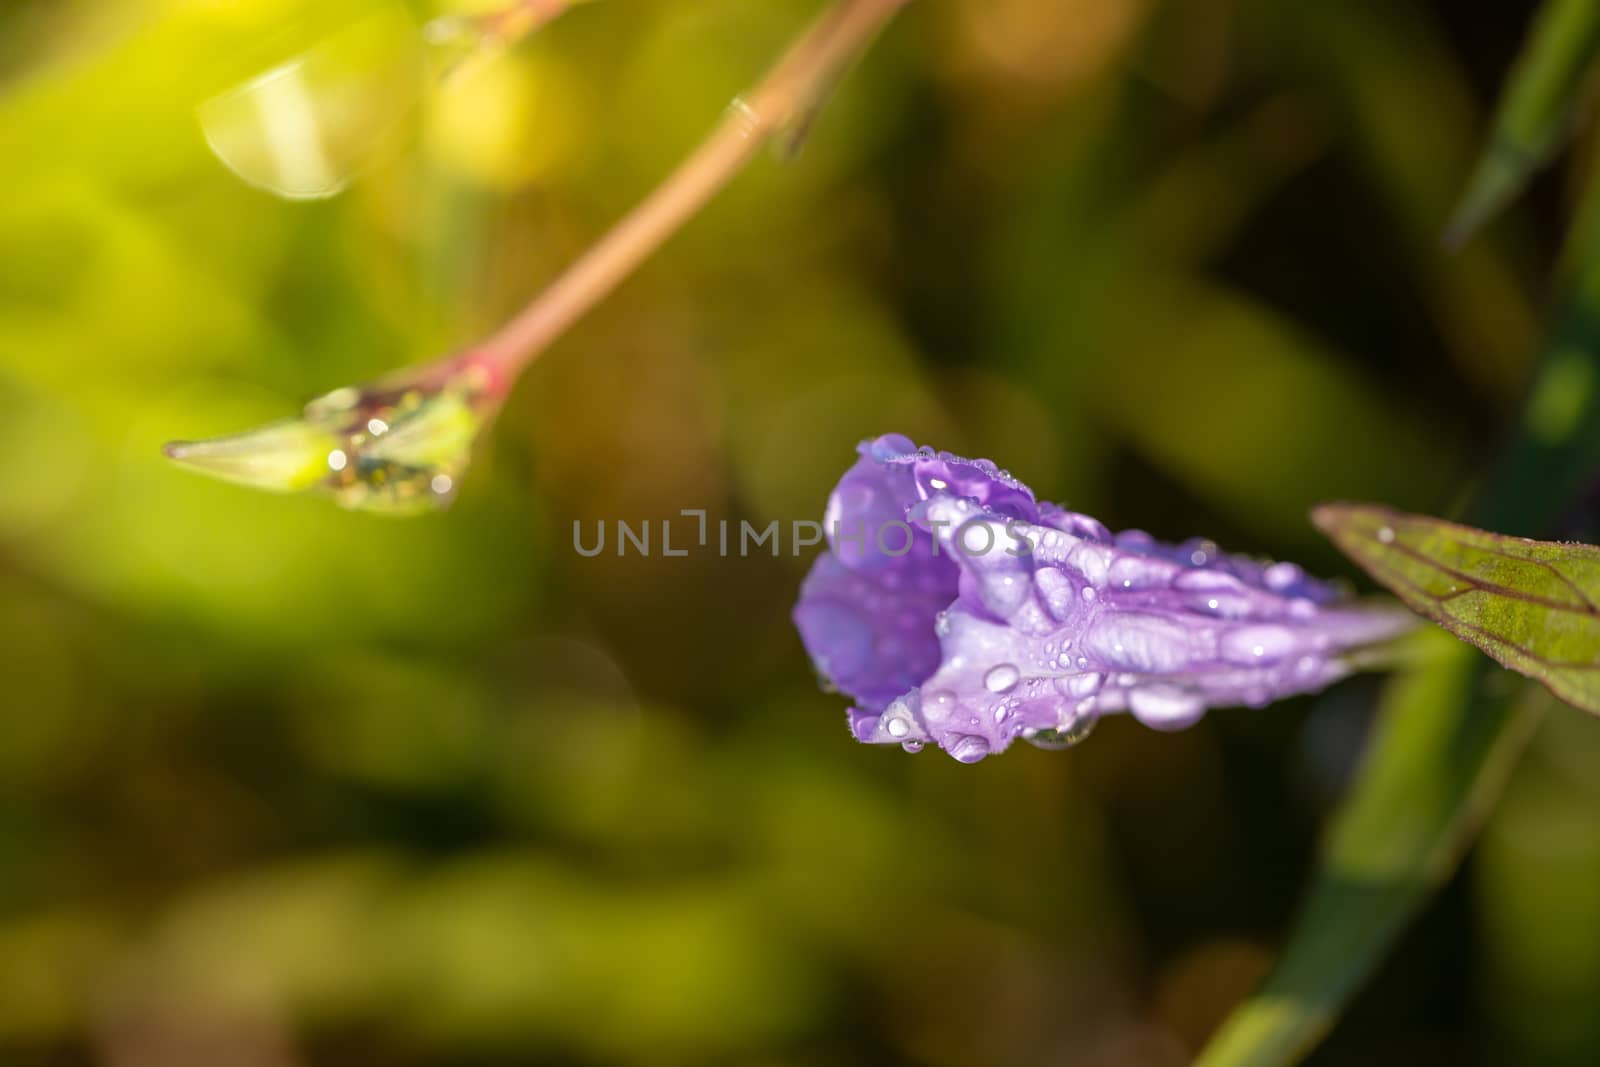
column 1335, row 515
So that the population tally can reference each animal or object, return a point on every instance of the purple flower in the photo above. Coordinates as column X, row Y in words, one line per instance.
column 955, row 608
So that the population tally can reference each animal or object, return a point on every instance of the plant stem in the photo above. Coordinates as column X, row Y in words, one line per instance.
column 786, row 94
column 523, row 17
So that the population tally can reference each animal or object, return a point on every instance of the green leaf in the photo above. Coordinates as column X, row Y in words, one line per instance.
column 1536, row 111
column 1434, row 769
column 1529, row 604
column 303, row 128
column 1448, row 734
column 397, row 446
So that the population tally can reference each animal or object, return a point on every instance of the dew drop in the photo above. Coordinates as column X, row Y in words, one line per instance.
column 337, row 460
column 1206, row 581
column 1079, row 686
column 1165, row 707
column 1088, row 592
column 938, row 705
column 897, row 726
column 1002, row 679
column 1386, row 534
column 1281, row 576
column 1255, row 645
column 968, row 748
column 911, row 746
column 1073, row 731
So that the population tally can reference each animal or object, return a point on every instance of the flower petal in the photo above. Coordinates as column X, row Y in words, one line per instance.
column 989, row 616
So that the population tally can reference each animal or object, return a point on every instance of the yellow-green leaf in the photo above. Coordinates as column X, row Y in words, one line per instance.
column 302, row 129
column 1532, row 605
column 397, row 446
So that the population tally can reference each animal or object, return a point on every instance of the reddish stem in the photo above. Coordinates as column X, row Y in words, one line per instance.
column 784, row 96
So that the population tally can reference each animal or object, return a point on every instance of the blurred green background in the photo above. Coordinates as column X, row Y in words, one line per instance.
column 285, row 785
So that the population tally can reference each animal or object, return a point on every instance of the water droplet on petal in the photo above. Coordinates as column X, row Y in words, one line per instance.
column 1166, row 707
column 968, row 748
column 1002, row 679
column 1281, row 576
column 1074, row 729
column 1206, row 580
column 1257, row 645
column 1079, row 686
column 938, row 706
column 911, row 746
